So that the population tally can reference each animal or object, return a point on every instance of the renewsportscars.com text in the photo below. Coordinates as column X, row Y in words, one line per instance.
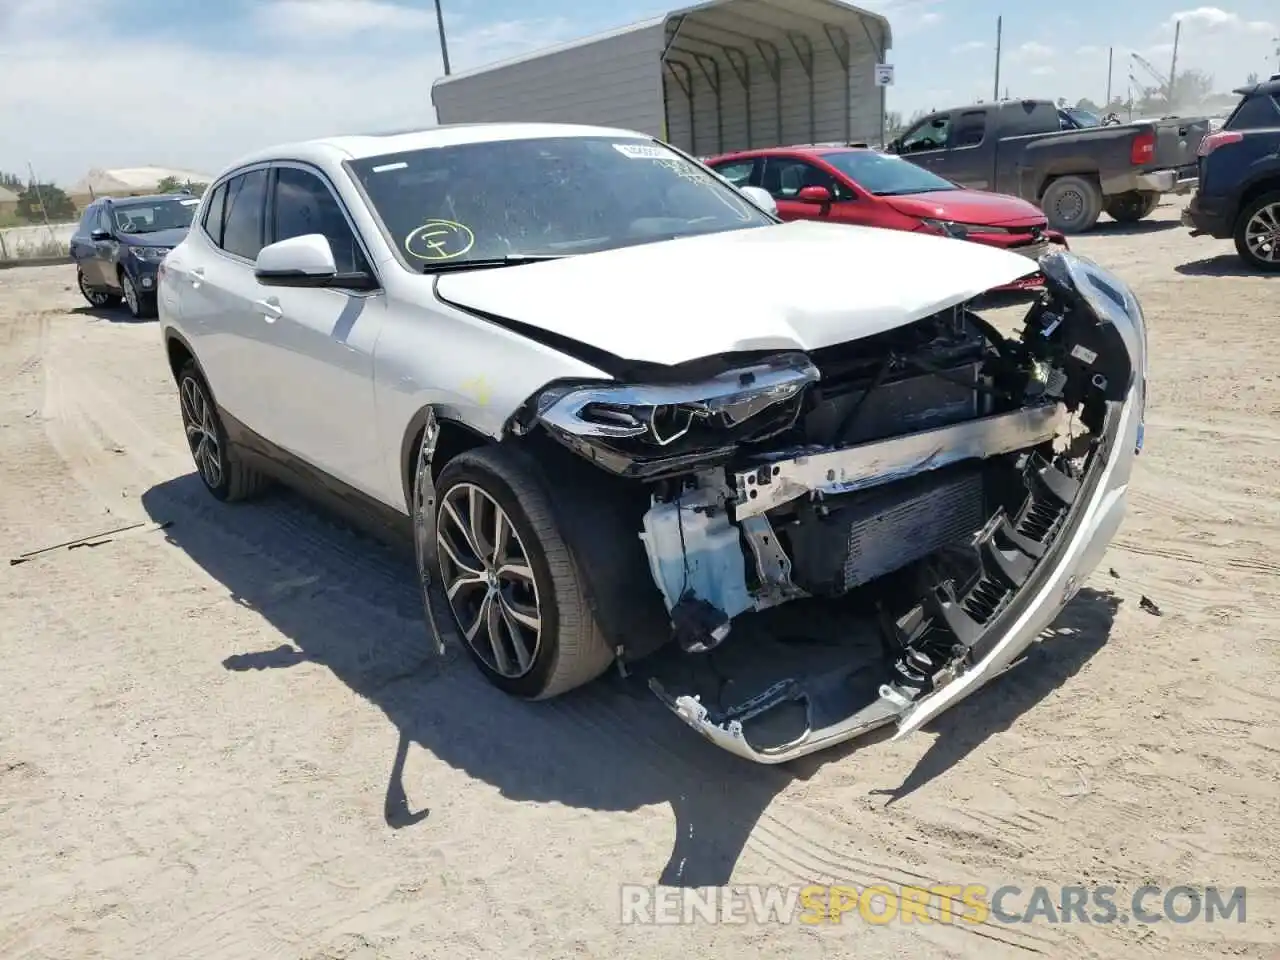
column 941, row 903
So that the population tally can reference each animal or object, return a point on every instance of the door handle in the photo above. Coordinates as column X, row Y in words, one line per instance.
column 270, row 309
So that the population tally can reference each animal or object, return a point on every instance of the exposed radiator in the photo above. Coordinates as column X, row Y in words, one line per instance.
column 867, row 535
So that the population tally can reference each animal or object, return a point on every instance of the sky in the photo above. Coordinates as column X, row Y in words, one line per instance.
column 193, row 84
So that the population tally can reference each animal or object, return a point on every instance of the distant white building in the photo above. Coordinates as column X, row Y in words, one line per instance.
column 127, row 180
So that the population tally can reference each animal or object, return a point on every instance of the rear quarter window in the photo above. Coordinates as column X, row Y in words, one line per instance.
column 1255, row 113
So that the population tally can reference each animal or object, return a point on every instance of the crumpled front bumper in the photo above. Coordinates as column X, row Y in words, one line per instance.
column 1091, row 522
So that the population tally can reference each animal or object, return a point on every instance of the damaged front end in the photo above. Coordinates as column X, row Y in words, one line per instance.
column 943, row 486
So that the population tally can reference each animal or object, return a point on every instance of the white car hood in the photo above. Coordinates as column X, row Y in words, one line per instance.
column 792, row 286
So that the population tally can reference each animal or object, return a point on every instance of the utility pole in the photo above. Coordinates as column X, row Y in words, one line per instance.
column 1173, row 65
column 444, row 47
column 1110, row 53
column 1276, row 41
column 999, row 36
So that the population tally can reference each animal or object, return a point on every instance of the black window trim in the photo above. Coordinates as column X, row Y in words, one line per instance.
column 264, row 165
column 269, row 224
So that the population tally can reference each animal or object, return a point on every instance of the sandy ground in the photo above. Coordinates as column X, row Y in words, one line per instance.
column 226, row 739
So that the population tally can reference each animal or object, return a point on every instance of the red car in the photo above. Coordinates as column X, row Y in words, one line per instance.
column 863, row 186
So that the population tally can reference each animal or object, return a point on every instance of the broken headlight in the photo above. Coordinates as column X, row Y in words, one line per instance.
column 649, row 430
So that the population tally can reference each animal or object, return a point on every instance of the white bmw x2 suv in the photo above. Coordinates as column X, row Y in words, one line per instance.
column 616, row 402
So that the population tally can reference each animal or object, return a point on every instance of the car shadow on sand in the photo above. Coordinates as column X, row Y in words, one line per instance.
column 1114, row 228
column 119, row 314
column 351, row 605
column 1223, row 265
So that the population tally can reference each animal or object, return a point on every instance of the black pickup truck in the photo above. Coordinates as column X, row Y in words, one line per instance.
column 1034, row 150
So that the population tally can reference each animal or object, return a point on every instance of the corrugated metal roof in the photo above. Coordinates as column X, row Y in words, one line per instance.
column 814, row 9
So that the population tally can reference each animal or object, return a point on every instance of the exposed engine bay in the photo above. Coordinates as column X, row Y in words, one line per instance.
column 918, row 480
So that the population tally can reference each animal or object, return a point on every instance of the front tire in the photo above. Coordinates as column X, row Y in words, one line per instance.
column 1072, row 204
column 95, row 298
column 513, row 586
column 141, row 305
column 1257, row 233
column 220, row 468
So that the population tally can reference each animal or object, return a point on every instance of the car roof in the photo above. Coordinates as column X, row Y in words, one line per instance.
column 1266, row 87
column 150, row 196
column 362, row 146
column 808, row 149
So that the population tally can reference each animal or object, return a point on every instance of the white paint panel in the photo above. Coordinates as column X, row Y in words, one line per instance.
column 612, row 81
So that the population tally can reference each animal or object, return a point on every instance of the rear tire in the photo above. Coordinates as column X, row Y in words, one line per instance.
column 1132, row 207
column 100, row 299
column 1257, row 233
column 532, row 577
column 218, row 464
column 1072, row 204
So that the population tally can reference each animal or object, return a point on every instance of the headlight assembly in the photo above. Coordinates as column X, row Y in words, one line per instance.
column 149, row 254
column 650, row 429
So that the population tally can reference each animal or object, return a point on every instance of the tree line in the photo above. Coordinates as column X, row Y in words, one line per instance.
column 38, row 202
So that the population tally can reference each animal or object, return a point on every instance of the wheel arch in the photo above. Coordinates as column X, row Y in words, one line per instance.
column 1264, row 184
column 454, row 437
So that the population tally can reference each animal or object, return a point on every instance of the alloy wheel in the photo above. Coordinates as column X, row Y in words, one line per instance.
column 130, row 294
column 96, row 298
column 202, row 432
column 488, row 580
column 1262, row 234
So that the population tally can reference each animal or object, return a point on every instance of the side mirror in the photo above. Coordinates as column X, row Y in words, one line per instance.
column 819, row 195
column 893, row 146
column 761, row 198
column 305, row 261
column 99, row 235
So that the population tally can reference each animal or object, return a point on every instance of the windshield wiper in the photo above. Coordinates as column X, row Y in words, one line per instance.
column 510, row 260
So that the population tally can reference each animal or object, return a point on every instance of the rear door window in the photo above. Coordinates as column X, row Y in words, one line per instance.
column 970, row 129
column 1254, row 113
column 87, row 222
column 242, row 232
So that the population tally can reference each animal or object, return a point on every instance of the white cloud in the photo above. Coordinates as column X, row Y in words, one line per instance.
column 203, row 106
column 1216, row 20
column 1031, row 50
column 970, row 46
column 930, row 19
column 1088, row 50
column 1043, row 71
column 326, row 18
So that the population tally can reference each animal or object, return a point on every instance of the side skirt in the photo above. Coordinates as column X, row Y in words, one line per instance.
column 369, row 516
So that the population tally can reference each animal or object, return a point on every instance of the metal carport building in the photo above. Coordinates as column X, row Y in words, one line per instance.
column 719, row 76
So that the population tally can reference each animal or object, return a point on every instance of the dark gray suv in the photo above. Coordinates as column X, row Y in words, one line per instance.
column 119, row 244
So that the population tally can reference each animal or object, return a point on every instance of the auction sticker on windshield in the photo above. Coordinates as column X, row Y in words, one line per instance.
column 439, row 240
column 642, row 151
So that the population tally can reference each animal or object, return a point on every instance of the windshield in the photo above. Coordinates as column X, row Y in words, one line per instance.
column 544, row 197
column 151, row 216
column 884, row 175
